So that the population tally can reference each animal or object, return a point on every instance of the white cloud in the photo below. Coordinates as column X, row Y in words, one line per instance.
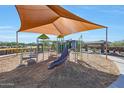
column 8, row 28
column 5, row 27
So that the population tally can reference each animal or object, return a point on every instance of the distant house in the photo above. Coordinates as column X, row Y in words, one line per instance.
column 97, row 43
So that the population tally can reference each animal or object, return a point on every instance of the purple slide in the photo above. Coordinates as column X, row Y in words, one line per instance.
column 60, row 60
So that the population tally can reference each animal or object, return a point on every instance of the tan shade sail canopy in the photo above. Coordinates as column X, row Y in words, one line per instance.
column 52, row 19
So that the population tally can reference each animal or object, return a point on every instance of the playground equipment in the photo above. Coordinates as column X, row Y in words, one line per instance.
column 48, row 24
column 69, row 45
column 28, row 56
column 42, row 37
column 63, row 58
column 59, row 22
column 24, row 56
column 81, row 43
column 72, row 46
column 60, row 43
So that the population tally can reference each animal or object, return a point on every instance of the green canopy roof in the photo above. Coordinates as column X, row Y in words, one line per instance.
column 60, row 36
column 43, row 36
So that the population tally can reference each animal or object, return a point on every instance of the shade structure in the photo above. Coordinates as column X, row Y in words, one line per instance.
column 52, row 19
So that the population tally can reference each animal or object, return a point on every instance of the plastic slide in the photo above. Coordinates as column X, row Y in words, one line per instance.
column 60, row 60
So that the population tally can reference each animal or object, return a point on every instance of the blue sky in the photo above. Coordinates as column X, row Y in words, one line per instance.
column 111, row 16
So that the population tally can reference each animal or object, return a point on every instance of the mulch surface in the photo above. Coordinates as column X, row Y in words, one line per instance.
column 70, row 75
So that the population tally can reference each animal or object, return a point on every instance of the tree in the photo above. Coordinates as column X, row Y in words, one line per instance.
column 118, row 43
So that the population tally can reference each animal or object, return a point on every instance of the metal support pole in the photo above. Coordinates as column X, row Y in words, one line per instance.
column 81, row 47
column 21, row 59
column 43, row 49
column 37, row 50
column 106, row 42
column 75, row 52
column 17, row 44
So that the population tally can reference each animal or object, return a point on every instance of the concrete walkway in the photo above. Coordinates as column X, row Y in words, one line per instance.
column 119, row 83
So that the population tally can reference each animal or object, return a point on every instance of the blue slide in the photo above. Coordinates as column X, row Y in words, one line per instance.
column 60, row 60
